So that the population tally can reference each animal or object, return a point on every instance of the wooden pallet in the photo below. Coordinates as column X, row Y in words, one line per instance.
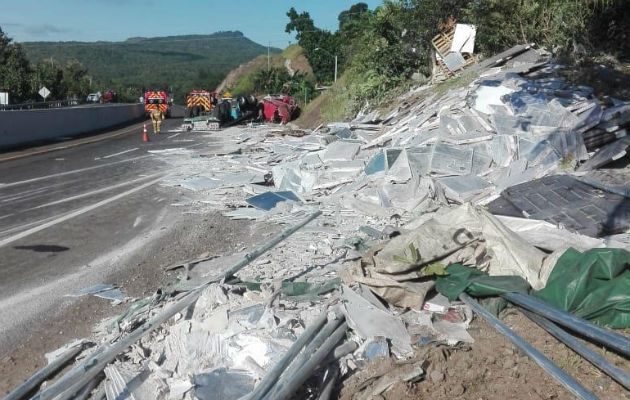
column 442, row 43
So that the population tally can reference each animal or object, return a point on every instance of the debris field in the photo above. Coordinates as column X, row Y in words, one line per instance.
column 404, row 235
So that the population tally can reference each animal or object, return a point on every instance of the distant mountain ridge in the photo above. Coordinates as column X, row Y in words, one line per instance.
column 178, row 62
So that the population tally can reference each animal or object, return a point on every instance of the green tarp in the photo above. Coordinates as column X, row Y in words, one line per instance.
column 298, row 291
column 476, row 283
column 594, row 285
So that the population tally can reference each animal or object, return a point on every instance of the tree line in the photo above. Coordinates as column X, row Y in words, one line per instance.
column 380, row 49
column 23, row 79
column 176, row 64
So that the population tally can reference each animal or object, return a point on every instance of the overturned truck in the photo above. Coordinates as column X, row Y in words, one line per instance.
column 229, row 111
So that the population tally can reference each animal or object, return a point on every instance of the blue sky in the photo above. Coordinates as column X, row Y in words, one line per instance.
column 115, row 20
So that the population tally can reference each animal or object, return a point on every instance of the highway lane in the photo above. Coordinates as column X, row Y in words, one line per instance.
column 67, row 216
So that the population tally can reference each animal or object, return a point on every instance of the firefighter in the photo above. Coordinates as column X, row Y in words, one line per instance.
column 156, row 117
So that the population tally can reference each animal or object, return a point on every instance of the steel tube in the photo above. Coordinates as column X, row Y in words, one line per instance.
column 85, row 393
column 43, row 373
column 343, row 350
column 301, row 358
column 552, row 369
column 600, row 362
column 249, row 257
column 68, row 385
column 596, row 333
column 329, row 384
column 272, row 377
column 311, row 365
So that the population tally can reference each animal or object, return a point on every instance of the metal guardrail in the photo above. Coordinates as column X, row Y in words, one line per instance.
column 41, row 105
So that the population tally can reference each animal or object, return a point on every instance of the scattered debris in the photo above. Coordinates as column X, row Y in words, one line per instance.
column 108, row 292
column 267, row 201
column 447, row 196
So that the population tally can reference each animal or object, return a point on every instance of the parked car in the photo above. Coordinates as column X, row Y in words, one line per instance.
column 109, row 96
column 94, row 97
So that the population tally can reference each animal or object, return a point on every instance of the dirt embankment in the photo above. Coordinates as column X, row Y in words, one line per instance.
column 292, row 58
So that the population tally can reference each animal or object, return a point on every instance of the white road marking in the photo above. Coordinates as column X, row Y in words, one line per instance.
column 122, row 152
column 172, row 136
column 86, row 194
column 6, row 216
column 15, row 196
column 5, row 185
column 76, row 213
column 18, row 228
column 35, row 192
column 137, row 221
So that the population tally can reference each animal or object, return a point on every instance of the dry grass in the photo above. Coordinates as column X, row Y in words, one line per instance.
column 241, row 76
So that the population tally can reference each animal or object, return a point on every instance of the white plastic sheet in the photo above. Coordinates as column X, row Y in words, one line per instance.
column 464, row 38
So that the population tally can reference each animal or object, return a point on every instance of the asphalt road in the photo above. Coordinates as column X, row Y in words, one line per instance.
column 67, row 215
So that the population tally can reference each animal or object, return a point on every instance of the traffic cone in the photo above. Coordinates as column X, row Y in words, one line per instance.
column 145, row 134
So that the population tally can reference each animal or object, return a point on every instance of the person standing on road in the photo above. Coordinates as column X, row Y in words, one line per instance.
column 156, row 117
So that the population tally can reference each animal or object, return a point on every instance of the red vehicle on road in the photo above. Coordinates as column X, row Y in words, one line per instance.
column 279, row 108
column 157, row 100
column 109, row 96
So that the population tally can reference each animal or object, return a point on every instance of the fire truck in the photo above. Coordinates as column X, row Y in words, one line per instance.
column 157, row 100
column 199, row 102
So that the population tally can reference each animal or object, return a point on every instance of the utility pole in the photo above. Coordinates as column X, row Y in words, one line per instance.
column 318, row 49
column 268, row 63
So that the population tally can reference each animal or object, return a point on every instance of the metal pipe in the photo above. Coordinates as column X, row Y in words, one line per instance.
column 249, row 257
column 43, row 373
column 600, row 362
column 84, row 393
column 343, row 350
column 68, row 385
column 552, row 369
column 311, row 365
column 301, row 358
column 272, row 377
column 81, row 374
column 329, row 384
column 596, row 333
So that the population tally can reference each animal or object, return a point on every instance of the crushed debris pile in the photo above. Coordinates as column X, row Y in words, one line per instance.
column 501, row 176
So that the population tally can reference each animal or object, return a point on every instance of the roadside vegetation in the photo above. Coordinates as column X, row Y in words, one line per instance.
column 23, row 79
column 379, row 50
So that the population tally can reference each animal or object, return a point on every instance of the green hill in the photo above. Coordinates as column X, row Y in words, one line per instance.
column 178, row 62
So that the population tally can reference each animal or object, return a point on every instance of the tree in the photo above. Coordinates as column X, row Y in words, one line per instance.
column 14, row 70
column 300, row 23
column 75, row 79
column 319, row 45
column 15, row 74
column 46, row 73
column 4, row 44
column 271, row 81
column 350, row 20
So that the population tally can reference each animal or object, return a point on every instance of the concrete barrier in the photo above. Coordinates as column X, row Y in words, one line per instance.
column 18, row 128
